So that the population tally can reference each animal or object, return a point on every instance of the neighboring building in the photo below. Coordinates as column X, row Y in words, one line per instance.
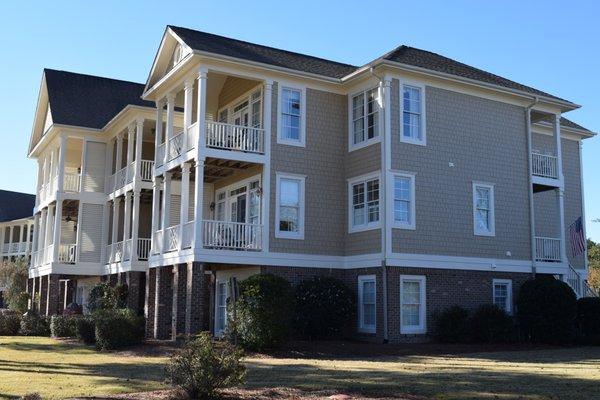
column 419, row 181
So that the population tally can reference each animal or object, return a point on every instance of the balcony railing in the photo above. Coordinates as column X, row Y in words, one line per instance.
column 127, row 247
column 235, row 137
column 146, row 170
column 232, row 235
column 160, row 154
column 67, row 253
column 171, row 238
column 71, row 182
column 176, row 146
column 547, row 249
column 545, row 166
column 126, row 175
column 157, row 242
column 188, row 235
column 143, row 248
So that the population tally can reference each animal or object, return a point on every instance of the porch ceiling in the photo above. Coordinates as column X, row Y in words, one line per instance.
column 216, row 169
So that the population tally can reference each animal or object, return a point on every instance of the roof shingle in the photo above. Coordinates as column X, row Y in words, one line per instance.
column 15, row 205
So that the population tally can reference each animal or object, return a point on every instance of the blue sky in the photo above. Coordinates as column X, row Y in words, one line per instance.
column 553, row 46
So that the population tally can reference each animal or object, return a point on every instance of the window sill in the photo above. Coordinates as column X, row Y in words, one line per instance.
column 485, row 234
column 413, row 331
column 364, row 228
column 289, row 235
column 295, row 143
column 406, row 227
column 367, row 330
column 364, row 144
column 413, row 141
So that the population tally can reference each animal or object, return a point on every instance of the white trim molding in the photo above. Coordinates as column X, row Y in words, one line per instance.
column 301, row 179
column 422, row 113
column 491, row 231
column 301, row 142
column 377, row 138
column 411, row 223
column 421, row 327
column 362, row 327
column 508, row 305
column 366, row 226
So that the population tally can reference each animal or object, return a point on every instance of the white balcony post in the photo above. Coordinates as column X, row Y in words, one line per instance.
column 139, row 137
column 561, row 189
column 127, row 218
column 61, row 163
column 10, row 237
column 185, row 200
column 50, row 168
column 170, row 118
column 119, row 156
column 166, row 201
column 56, row 232
column 115, row 220
column 188, row 90
column 135, row 218
column 28, row 227
column 266, row 180
column 49, row 225
column 156, row 185
column 158, row 129
column 42, row 229
column 130, row 148
column 202, row 86
column 36, row 228
column 198, row 204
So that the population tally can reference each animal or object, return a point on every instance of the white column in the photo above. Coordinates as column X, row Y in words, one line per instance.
column 202, row 86
column 166, row 201
column 10, row 237
column 139, row 137
column 119, row 156
column 50, row 169
column 198, row 205
column 188, row 91
column 115, row 221
column 156, row 186
column 36, row 228
column 170, row 117
column 266, row 181
column 560, row 190
column 61, row 163
column 42, row 230
column 56, row 232
column 135, row 225
column 49, row 220
column 29, row 227
column 158, row 130
column 185, row 200
column 130, row 140
column 127, row 218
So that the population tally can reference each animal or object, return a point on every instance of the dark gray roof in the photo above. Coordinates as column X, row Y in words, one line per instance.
column 216, row 44
column 15, row 205
column 89, row 101
column 570, row 124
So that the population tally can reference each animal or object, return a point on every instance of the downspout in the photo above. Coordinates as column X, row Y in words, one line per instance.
column 530, row 178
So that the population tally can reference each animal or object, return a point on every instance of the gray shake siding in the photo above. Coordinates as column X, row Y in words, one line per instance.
column 486, row 141
column 572, row 174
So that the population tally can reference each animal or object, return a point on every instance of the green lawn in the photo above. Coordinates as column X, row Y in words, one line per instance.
column 57, row 369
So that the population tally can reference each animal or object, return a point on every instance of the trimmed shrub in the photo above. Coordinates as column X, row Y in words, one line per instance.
column 452, row 325
column 85, row 329
column 588, row 319
column 118, row 328
column 546, row 309
column 324, row 307
column 63, row 326
column 202, row 367
column 10, row 323
column 33, row 324
column 262, row 312
column 490, row 324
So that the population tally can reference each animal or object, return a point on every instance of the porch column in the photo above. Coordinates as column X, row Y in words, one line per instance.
column 36, row 228
column 188, row 89
column 139, row 137
column 170, row 117
column 42, row 230
column 119, row 156
column 158, row 130
column 561, row 190
column 61, row 163
column 127, row 220
column 185, row 200
column 10, row 238
column 202, row 85
column 130, row 140
column 198, row 204
column 56, row 232
column 166, row 201
column 266, row 176
column 28, row 229
column 49, row 224
column 156, row 185
column 135, row 221
column 115, row 221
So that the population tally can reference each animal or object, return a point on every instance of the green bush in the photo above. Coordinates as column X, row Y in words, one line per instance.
column 588, row 319
column 452, row 325
column 202, row 367
column 106, row 297
column 63, row 326
column 546, row 310
column 490, row 324
column 118, row 328
column 10, row 323
column 324, row 307
column 33, row 324
column 85, row 329
column 263, row 312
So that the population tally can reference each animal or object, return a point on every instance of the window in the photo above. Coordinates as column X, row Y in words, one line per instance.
column 502, row 294
column 367, row 303
column 364, row 203
column 404, row 201
column 413, row 114
column 291, row 116
column 365, row 117
column 483, row 209
column 290, row 207
column 412, row 304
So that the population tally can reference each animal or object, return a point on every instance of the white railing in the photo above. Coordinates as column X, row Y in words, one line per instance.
column 71, row 182
column 143, row 248
column 157, row 242
column 108, row 254
column 234, row 137
column 67, row 253
column 232, row 235
column 171, row 238
column 160, row 154
column 127, row 249
column 6, row 248
column 547, row 249
column 544, row 165
column 130, row 172
column 117, row 254
column 121, row 178
column 48, row 254
column 146, row 170
column 176, row 146
column 191, row 137
column 188, row 235
column 574, row 280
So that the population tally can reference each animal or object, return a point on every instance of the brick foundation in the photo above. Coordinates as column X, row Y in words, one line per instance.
column 43, row 294
column 53, row 294
column 135, row 282
column 163, row 302
column 150, row 301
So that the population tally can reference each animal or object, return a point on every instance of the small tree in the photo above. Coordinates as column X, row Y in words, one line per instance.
column 13, row 276
column 106, row 297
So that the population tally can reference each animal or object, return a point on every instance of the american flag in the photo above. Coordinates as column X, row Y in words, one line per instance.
column 577, row 238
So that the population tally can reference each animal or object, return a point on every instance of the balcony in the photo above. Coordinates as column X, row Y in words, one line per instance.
column 121, row 251
column 544, row 166
column 547, row 249
column 126, row 175
column 67, row 253
column 16, row 248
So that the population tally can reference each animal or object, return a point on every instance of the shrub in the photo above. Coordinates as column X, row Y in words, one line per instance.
column 201, row 368
column 118, row 328
column 10, row 323
column 490, row 324
column 452, row 325
column 33, row 324
column 263, row 312
column 588, row 319
column 63, row 326
column 85, row 329
column 13, row 277
column 324, row 307
column 546, row 309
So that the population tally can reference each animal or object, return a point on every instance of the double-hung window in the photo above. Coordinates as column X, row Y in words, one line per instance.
column 367, row 304
column 364, row 203
column 365, row 117
column 413, row 114
column 412, row 304
column 502, row 294
column 291, row 116
column 290, row 206
column 483, row 209
column 404, row 201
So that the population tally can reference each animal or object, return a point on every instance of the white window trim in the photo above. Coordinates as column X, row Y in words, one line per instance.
column 227, row 191
column 422, row 328
column 302, row 89
column 403, row 139
column 283, row 234
column 351, row 145
column 361, row 327
column 368, row 225
column 246, row 96
column 509, row 297
column 412, row 212
column 492, row 231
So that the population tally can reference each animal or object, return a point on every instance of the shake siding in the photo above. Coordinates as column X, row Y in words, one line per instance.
column 91, row 233
column 233, row 88
column 547, row 223
column 572, row 174
column 486, row 141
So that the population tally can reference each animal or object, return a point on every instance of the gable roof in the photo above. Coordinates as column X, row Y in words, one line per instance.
column 89, row 101
column 15, row 205
column 567, row 123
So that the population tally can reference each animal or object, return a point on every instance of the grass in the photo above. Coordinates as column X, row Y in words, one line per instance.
column 57, row 369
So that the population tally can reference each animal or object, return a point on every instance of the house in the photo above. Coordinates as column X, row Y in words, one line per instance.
column 420, row 181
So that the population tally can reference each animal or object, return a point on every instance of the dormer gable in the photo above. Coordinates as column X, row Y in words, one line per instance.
column 172, row 51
